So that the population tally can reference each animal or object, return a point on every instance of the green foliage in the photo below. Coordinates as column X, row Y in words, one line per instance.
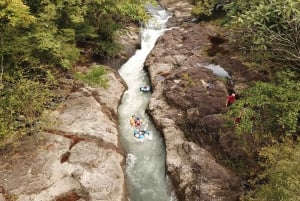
column 189, row 81
column 275, row 24
column 276, row 104
column 205, row 8
column 95, row 77
column 14, row 13
column 237, row 7
column 281, row 175
column 50, row 52
column 21, row 98
column 134, row 10
column 38, row 38
column 102, row 20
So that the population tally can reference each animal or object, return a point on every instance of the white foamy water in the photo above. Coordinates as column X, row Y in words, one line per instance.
column 145, row 164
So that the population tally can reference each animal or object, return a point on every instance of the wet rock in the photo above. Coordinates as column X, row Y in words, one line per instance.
column 130, row 40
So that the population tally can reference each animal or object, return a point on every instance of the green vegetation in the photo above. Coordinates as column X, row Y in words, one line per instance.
column 275, row 104
column 275, row 24
column 281, row 178
column 22, row 101
column 188, row 80
column 41, row 40
column 205, row 8
column 95, row 77
column 268, row 31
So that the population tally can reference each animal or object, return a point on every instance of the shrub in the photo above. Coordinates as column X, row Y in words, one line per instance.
column 95, row 77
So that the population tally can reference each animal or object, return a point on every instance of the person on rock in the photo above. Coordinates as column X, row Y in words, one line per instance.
column 230, row 99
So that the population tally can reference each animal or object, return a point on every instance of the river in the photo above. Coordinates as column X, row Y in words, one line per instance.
column 145, row 165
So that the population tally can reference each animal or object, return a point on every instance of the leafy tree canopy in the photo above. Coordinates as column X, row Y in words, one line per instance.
column 281, row 175
column 40, row 38
column 276, row 26
column 276, row 104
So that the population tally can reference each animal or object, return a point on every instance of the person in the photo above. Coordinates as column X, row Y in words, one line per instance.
column 132, row 120
column 137, row 122
column 230, row 99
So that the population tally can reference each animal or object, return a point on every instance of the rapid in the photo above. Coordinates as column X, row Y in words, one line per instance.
column 145, row 163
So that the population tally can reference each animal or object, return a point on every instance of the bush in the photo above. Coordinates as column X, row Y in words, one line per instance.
column 281, row 175
column 22, row 102
column 95, row 77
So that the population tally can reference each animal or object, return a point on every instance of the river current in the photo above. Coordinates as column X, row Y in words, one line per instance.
column 145, row 164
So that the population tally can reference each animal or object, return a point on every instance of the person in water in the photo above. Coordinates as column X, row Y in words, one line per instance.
column 137, row 122
column 132, row 120
column 230, row 99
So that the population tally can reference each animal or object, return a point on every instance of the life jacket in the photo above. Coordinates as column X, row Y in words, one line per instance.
column 230, row 99
column 132, row 122
column 137, row 123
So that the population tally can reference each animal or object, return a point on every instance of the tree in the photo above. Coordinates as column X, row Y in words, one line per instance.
column 276, row 104
column 13, row 14
column 206, row 8
column 102, row 19
column 96, row 77
column 275, row 24
column 281, row 178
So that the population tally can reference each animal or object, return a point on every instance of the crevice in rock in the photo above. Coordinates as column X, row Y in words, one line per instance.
column 65, row 157
column 70, row 196
column 73, row 137
column 5, row 195
column 76, row 139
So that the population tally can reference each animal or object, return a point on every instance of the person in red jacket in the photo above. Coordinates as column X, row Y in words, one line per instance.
column 230, row 99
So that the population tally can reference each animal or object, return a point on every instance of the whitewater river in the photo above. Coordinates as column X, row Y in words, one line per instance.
column 145, row 164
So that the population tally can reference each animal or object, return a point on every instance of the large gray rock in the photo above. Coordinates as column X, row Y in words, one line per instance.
column 78, row 156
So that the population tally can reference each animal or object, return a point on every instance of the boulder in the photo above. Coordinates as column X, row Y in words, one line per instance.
column 76, row 157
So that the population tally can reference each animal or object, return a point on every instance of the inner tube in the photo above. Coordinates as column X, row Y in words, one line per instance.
column 140, row 134
column 145, row 88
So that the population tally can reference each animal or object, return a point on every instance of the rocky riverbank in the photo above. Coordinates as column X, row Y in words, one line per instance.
column 78, row 155
column 188, row 104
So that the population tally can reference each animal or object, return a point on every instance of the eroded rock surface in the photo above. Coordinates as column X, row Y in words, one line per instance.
column 77, row 157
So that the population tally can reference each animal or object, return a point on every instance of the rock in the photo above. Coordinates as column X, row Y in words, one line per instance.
column 130, row 39
column 187, row 105
column 78, row 155
column 194, row 172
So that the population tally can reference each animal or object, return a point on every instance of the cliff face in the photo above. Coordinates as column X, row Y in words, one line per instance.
column 76, row 157
column 186, row 99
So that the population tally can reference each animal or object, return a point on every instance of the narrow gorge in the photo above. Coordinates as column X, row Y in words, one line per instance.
column 80, row 157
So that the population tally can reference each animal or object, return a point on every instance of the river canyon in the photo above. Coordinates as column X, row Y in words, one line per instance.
column 84, row 154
